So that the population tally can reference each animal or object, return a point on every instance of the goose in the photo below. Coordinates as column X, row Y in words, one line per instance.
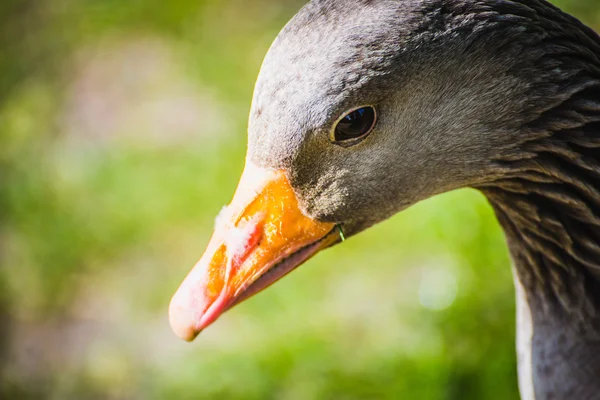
column 363, row 108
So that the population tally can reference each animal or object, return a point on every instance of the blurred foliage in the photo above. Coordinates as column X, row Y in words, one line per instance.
column 122, row 134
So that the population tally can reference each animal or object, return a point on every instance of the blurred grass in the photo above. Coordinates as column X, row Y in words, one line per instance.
column 123, row 134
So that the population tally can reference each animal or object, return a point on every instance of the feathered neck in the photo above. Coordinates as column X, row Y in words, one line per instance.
column 548, row 202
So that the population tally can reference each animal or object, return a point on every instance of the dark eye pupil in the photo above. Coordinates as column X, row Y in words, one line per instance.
column 356, row 124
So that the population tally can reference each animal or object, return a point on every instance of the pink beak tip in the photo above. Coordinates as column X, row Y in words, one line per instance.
column 181, row 321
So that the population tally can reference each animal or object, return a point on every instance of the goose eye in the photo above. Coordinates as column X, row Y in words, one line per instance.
column 355, row 125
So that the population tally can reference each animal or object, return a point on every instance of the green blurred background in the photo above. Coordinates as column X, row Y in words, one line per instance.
column 122, row 134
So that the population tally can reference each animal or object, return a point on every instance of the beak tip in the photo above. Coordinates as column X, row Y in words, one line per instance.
column 181, row 321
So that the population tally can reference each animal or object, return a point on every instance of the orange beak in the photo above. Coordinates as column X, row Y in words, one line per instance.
column 260, row 237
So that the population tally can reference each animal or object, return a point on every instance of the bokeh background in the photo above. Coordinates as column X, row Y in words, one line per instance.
column 122, row 134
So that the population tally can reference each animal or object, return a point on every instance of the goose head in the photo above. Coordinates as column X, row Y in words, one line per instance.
column 361, row 109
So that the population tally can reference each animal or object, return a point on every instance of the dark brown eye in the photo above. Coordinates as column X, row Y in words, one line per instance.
column 356, row 124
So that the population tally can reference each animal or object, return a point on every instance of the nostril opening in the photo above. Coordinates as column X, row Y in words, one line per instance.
column 241, row 240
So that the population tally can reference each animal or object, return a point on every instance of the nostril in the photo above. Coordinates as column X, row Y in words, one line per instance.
column 241, row 240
